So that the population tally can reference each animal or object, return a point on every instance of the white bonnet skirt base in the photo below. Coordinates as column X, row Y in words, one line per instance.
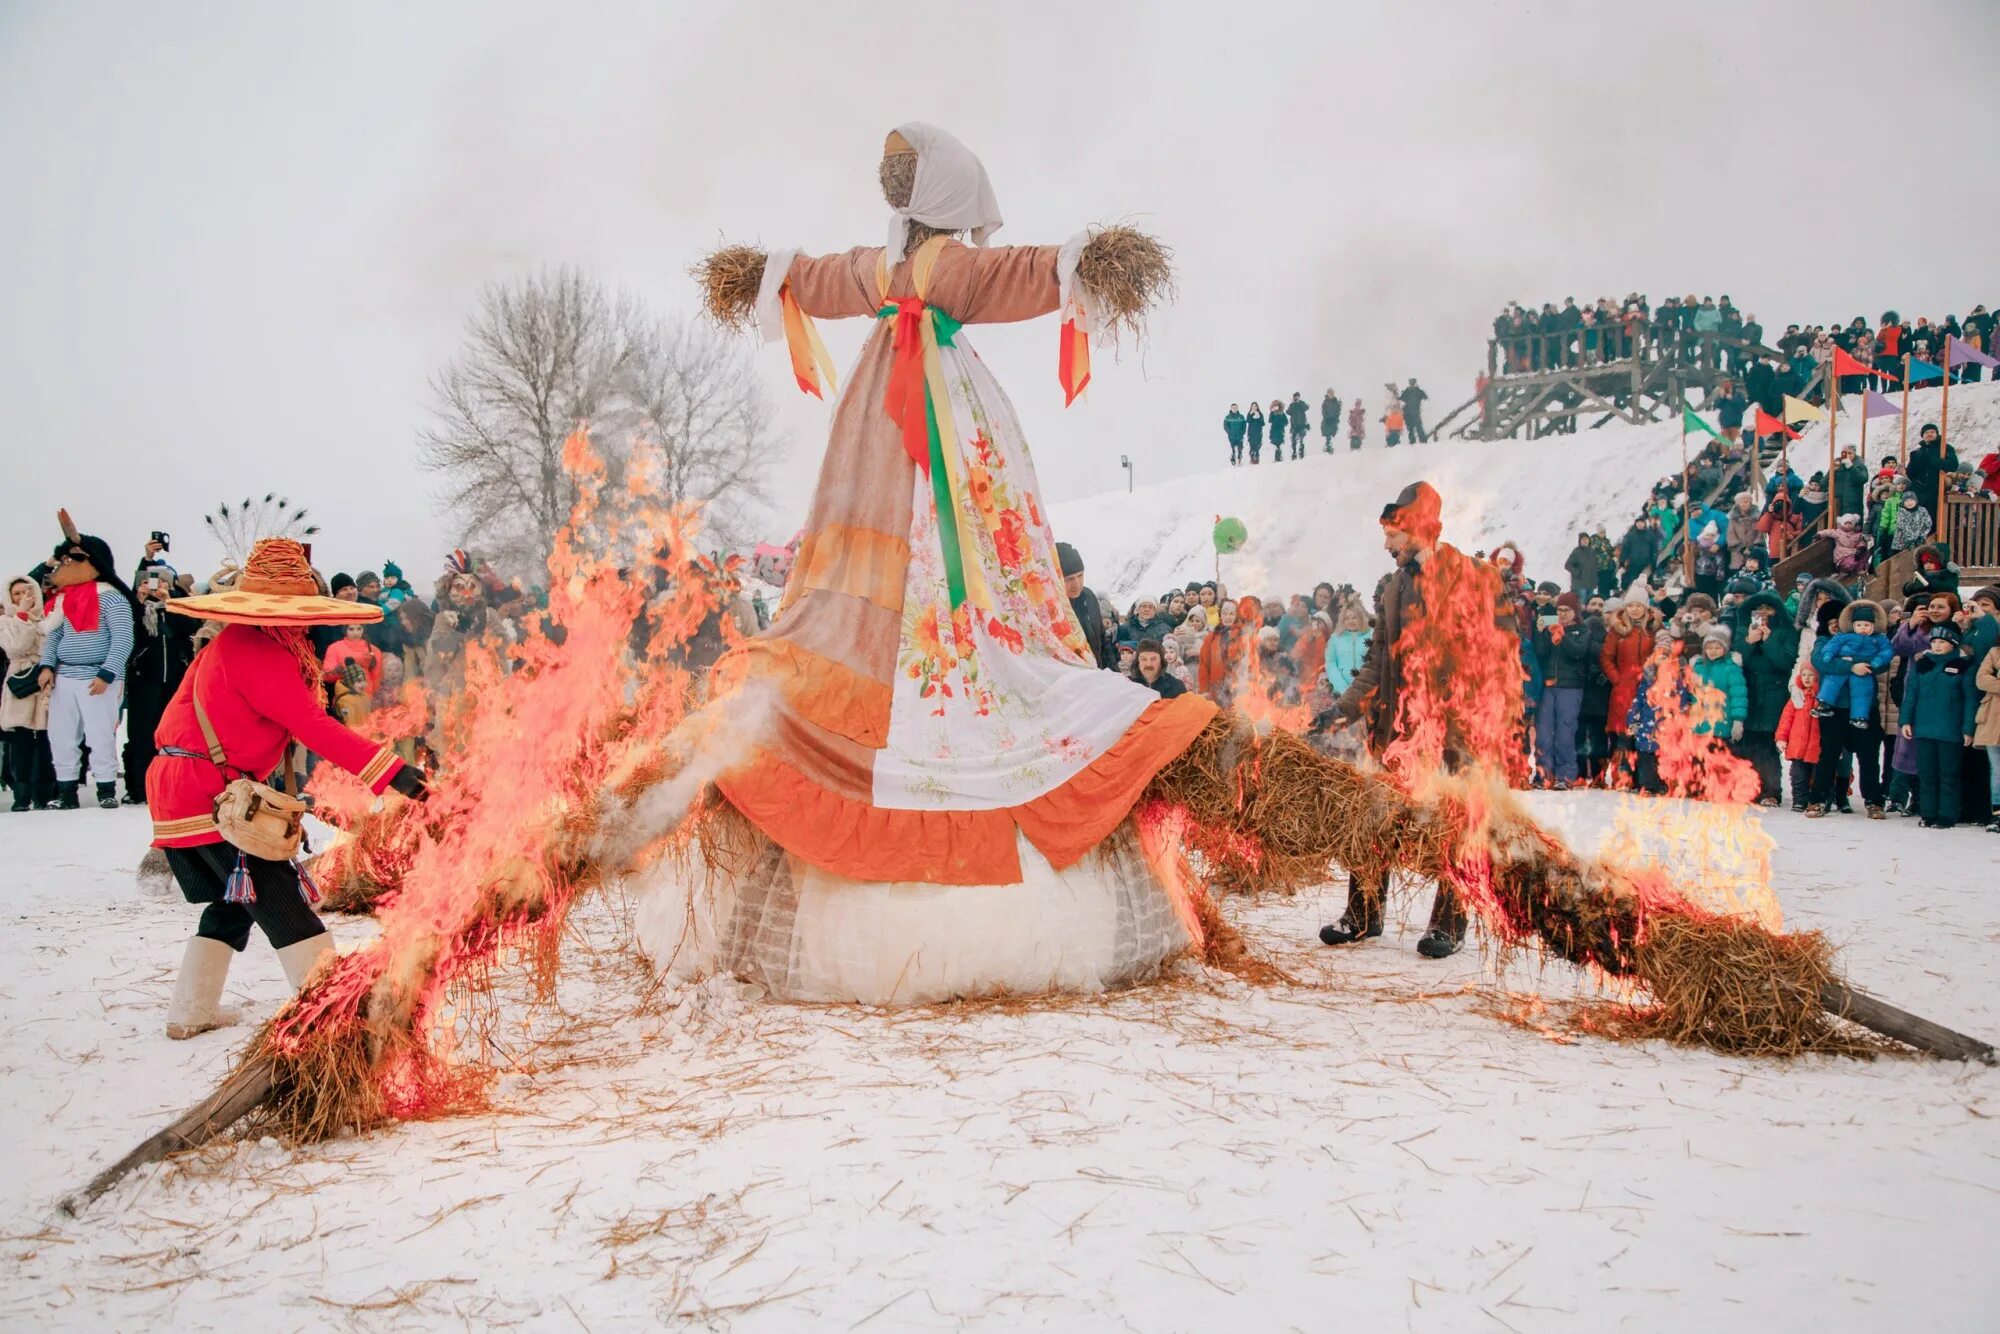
column 805, row 935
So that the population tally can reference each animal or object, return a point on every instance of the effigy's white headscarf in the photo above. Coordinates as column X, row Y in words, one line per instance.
column 950, row 191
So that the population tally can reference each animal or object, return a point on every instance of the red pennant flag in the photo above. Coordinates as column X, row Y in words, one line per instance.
column 1843, row 364
column 1769, row 425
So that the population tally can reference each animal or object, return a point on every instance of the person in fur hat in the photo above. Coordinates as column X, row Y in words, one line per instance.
column 1850, row 664
column 1768, row 647
column 1936, row 572
column 252, row 693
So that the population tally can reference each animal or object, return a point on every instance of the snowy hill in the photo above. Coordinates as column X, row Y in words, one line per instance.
column 1316, row 519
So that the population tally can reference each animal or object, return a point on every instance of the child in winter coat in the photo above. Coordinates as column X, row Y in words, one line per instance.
column 1798, row 736
column 1392, row 425
column 1254, row 424
column 1357, row 425
column 1940, row 708
column 1722, row 696
column 1850, row 661
column 1911, row 524
column 1850, row 548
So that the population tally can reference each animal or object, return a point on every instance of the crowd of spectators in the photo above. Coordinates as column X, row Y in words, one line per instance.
column 144, row 652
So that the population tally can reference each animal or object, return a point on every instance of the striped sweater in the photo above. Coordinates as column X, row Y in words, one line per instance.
column 79, row 655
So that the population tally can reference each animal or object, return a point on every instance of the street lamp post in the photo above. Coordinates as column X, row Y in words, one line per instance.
column 1125, row 462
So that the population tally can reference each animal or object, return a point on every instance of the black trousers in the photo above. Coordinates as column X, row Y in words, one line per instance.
column 31, row 772
column 1938, row 770
column 144, row 703
column 280, row 912
column 1761, row 749
column 1840, row 738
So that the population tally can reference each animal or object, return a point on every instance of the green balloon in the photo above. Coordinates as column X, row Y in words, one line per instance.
column 1230, row 535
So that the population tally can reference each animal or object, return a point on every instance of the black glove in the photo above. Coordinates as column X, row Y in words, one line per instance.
column 409, row 781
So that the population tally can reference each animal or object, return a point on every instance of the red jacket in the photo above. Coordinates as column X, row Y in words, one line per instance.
column 1623, row 660
column 257, row 702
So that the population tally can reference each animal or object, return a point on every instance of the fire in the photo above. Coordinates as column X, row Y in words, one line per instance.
column 494, row 862
column 1705, row 835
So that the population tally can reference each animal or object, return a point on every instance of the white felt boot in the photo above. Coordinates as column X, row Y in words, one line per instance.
column 197, row 1003
column 300, row 956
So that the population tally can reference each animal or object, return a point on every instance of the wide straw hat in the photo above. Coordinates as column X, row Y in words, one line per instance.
column 276, row 587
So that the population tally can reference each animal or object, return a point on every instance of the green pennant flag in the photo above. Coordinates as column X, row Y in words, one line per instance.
column 1690, row 422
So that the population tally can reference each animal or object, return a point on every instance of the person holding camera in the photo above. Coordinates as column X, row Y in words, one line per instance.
column 24, row 702
column 162, row 647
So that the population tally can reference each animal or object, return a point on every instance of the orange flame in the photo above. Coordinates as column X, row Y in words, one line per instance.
column 528, row 749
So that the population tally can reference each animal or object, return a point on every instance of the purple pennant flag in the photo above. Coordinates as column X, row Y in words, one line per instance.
column 1875, row 405
column 1962, row 352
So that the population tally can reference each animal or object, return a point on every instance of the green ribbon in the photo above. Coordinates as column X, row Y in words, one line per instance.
column 946, row 329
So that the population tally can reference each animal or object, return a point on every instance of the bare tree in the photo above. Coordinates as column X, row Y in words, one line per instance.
column 701, row 416
column 542, row 353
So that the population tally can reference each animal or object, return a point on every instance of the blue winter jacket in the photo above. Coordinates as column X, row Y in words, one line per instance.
column 1345, row 652
column 1940, row 701
column 1837, row 655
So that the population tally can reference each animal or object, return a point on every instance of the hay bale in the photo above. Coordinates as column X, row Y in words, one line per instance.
column 1728, row 984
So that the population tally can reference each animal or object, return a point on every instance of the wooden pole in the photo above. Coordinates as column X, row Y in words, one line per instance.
column 1944, row 443
column 1841, row 1000
column 1906, row 410
column 1687, row 510
column 1832, row 433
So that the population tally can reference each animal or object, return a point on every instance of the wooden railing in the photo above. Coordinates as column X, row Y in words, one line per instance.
column 1972, row 526
column 1571, row 349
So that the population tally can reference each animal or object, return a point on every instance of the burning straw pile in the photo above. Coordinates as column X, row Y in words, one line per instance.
column 1272, row 812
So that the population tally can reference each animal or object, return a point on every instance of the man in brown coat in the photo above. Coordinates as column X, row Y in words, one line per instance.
column 1440, row 687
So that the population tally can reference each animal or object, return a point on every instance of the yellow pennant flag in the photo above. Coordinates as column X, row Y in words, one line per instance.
column 1798, row 410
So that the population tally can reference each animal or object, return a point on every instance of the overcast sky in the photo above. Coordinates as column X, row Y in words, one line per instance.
column 237, row 238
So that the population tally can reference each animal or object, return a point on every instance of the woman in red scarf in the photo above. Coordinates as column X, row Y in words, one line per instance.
column 258, row 687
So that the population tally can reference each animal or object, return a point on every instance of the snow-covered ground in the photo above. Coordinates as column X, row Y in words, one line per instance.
column 1371, row 1149
column 1316, row 518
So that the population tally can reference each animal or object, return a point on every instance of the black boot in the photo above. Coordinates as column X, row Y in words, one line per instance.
column 107, row 796
column 65, row 796
column 1447, row 929
column 1361, row 921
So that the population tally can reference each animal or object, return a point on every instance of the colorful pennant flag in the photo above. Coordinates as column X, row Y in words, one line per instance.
column 1690, row 422
column 1769, row 425
column 1875, row 405
column 1958, row 352
column 1844, row 364
column 1923, row 370
column 1798, row 410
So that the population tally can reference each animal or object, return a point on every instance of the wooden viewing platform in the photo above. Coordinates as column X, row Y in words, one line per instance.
column 1546, row 384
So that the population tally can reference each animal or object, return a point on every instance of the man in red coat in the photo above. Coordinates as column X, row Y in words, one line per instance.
column 259, row 686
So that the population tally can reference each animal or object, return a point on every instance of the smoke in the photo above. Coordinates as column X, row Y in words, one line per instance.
column 706, row 746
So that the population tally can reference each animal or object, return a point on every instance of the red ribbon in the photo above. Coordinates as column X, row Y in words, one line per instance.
column 904, row 401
